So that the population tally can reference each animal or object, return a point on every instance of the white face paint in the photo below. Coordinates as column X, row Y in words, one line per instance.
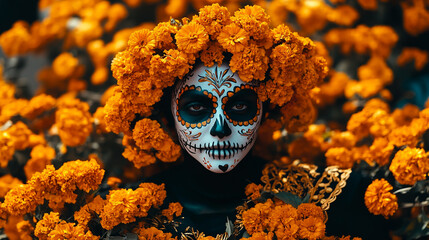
column 217, row 116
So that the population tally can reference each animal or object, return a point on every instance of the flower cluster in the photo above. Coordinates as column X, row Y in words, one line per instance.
column 281, row 220
column 379, row 200
column 56, row 186
column 154, row 60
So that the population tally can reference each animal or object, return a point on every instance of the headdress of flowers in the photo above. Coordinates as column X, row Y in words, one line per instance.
column 285, row 63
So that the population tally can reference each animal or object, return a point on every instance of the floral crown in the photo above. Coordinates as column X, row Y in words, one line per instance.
column 285, row 63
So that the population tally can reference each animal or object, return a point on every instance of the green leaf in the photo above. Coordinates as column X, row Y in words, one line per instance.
column 289, row 198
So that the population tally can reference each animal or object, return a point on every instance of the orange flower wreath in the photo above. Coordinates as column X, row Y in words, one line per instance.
column 286, row 65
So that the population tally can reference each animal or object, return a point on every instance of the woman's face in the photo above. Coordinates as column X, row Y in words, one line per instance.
column 217, row 116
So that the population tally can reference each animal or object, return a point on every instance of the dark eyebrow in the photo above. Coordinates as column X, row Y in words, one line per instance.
column 244, row 95
column 192, row 96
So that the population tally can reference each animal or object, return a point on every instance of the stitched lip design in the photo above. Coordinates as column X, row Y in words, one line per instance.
column 217, row 150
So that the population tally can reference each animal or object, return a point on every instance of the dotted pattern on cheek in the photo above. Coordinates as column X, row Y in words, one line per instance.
column 200, row 124
column 229, row 95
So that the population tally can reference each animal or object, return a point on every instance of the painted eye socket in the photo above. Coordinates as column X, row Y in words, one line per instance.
column 242, row 106
column 194, row 106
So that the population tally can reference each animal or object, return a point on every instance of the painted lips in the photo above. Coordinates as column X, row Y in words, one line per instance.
column 218, row 150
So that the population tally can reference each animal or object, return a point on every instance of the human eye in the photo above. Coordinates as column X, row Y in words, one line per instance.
column 196, row 107
column 239, row 107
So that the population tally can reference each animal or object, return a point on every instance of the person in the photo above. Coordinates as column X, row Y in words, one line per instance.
column 216, row 116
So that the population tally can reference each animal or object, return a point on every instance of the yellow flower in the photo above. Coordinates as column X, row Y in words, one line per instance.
column 65, row 65
column 410, row 165
column 191, row 38
column 6, row 149
column 213, row 17
column 379, row 200
column 252, row 191
column 16, row 40
column 251, row 63
column 283, row 221
column 233, row 38
column 174, row 209
column 213, row 53
column 7, row 182
column 74, row 122
column 152, row 233
column 312, row 228
column 40, row 157
column 256, row 219
column 142, row 43
column 46, row 225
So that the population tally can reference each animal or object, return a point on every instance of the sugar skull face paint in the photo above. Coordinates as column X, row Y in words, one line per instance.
column 217, row 116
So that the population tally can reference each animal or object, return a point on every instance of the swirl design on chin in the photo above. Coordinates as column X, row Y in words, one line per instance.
column 216, row 150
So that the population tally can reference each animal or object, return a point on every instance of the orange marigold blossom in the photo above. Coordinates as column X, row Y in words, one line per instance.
column 252, row 191
column 191, row 38
column 213, row 18
column 306, row 210
column 256, row 219
column 7, row 149
column 380, row 150
column 25, row 230
column 298, row 113
column 283, row 221
column 124, row 205
column 213, row 53
column 174, row 209
column 142, row 43
column 233, row 38
column 16, row 40
column 73, row 115
column 259, row 236
column 410, row 165
column 38, row 105
column 22, row 137
column 86, row 212
column 312, row 228
column 65, row 65
column 65, row 230
column 379, row 200
column 408, row 54
column 40, row 157
column 253, row 20
column 339, row 156
column 7, row 182
column 46, row 225
column 415, row 17
column 376, row 68
column 152, row 233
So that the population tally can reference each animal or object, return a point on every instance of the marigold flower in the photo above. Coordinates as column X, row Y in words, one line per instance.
column 174, row 209
column 312, row 228
column 16, row 40
column 25, row 230
column 213, row 17
column 84, row 33
column 298, row 113
column 22, row 199
column 46, row 225
column 142, row 43
column 73, row 115
column 140, row 158
column 343, row 15
column 233, row 38
column 253, row 191
column 40, row 157
column 379, row 200
column 410, row 165
column 37, row 106
column 65, row 65
column 191, row 38
column 408, row 54
column 368, row 4
column 124, row 205
column 283, row 221
column 65, row 230
column 405, row 115
column 253, row 20
column 148, row 134
column 377, row 68
column 311, row 16
column 152, row 233
column 256, row 219
column 22, row 137
column 415, row 18
column 164, row 69
column 7, row 182
column 380, row 150
column 86, row 213
column 306, row 210
column 7, row 149
column 250, row 64
column 213, row 53
column 163, row 35
column 259, row 236
column 339, row 156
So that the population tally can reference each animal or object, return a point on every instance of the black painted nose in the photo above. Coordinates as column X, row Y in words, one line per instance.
column 220, row 129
